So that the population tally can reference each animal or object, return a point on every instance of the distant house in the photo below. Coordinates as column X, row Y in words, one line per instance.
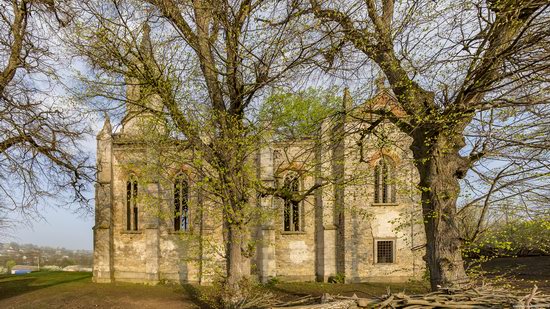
column 77, row 268
column 23, row 269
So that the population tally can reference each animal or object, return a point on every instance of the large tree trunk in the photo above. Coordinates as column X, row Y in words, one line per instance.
column 235, row 197
column 235, row 263
column 440, row 166
column 235, row 257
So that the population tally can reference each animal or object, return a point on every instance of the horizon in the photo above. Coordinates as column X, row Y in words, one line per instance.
column 51, row 230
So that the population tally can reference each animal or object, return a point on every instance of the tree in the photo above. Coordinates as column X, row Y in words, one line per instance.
column 446, row 62
column 9, row 265
column 39, row 151
column 298, row 115
column 511, row 182
column 208, row 65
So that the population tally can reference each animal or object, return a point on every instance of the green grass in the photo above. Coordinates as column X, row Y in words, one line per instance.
column 76, row 290
column 360, row 289
column 206, row 296
column 12, row 285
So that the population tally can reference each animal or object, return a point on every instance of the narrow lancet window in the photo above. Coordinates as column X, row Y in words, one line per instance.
column 132, row 211
column 291, row 212
column 384, row 182
column 181, row 207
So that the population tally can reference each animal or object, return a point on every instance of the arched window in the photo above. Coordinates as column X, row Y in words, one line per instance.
column 384, row 182
column 131, row 204
column 181, row 207
column 291, row 212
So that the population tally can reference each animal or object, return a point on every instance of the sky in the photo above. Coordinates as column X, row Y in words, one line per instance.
column 60, row 228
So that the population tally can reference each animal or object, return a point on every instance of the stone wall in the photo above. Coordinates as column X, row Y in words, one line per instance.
column 340, row 223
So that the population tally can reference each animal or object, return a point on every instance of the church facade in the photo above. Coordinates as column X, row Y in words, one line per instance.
column 362, row 225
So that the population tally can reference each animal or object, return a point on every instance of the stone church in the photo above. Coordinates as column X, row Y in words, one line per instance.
column 364, row 224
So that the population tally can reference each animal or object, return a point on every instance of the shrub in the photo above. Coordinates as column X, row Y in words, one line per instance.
column 338, row 278
column 9, row 265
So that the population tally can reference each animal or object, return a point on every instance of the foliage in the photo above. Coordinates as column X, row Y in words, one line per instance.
column 67, row 262
column 9, row 265
column 209, row 64
column 514, row 238
column 298, row 115
column 197, row 78
column 273, row 281
column 493, row 57
column 255, row 295
column 338, row 278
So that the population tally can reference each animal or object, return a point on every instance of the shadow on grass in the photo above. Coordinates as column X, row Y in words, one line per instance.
column 14, row 285
column 206, row 297
column 203, row 296
column 370, row 290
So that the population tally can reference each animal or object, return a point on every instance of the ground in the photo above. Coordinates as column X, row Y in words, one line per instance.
column 521, row 272
column 76, row 290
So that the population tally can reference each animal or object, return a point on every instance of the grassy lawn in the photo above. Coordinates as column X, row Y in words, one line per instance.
column 286, row 291
column 13, row 285
column 76, row 290
column 521, row 272
column 360, row 289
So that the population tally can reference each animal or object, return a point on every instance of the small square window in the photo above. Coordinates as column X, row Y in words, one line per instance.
column 384, row 251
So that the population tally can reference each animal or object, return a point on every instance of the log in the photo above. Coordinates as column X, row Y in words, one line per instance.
column 483, row 297
column 386, row 302
column 530, row 297
column 439, row 305
column 339, row 304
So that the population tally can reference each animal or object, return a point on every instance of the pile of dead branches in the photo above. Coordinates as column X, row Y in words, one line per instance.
column 483, row 297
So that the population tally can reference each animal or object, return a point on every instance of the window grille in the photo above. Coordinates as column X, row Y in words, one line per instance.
column 384, row 251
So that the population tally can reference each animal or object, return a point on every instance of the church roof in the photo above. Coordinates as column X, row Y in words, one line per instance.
column 384, row 99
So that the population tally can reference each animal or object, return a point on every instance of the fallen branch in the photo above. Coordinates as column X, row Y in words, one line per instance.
column 483, row 297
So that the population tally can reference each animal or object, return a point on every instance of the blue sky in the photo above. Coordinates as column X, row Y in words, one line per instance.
column 67, row 226
column 60, row 228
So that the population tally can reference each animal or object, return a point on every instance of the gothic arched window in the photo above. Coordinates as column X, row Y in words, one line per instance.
column 291, row 211
column 181, row 205
column 384, row 182
column 131, row 204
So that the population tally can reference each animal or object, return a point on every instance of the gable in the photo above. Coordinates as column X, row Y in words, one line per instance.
column 383, row 100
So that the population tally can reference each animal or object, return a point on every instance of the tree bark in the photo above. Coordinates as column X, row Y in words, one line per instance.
column 236, row 234
column 234, row 262
column 440, row 167
column 234, row 190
